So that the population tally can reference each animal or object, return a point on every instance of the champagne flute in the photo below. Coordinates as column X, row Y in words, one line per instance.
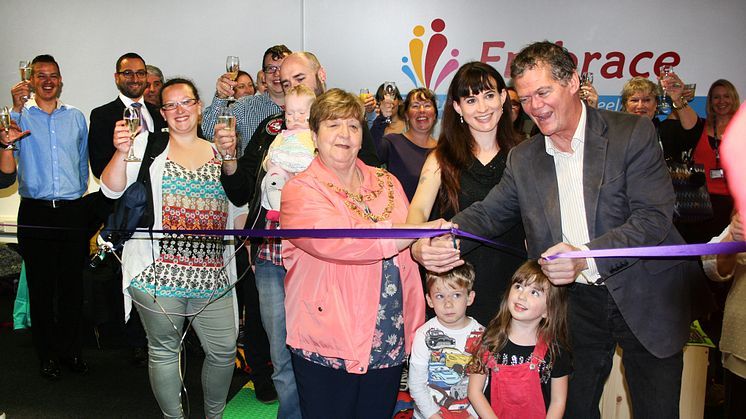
column 689, row 90
column 227, row 118
column 132, row 118
column 232, row 67
column 586, row 79
column 663, row 106
column 24, row 67
column 389, row 93
column 5, row 124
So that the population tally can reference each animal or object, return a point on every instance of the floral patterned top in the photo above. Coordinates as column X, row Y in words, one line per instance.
column 188, row 265
column 388, row 338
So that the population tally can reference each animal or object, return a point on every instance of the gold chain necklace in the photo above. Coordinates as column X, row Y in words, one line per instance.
column 356, row 202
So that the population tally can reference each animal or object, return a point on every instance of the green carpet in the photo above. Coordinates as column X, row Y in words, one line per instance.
column 245, row 405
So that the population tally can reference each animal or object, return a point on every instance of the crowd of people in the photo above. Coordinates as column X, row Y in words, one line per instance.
column 329, row 324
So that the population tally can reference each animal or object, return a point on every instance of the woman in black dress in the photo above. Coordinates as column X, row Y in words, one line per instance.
column 467, row 163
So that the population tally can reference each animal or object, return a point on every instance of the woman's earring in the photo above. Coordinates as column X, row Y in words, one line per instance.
column 462, row 118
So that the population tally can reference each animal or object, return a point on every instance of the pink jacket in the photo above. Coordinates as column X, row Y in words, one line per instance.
column 332, row 286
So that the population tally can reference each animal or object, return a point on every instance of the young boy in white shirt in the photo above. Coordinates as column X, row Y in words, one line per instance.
column 443, row 346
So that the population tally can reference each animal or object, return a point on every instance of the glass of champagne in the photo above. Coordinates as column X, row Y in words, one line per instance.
column 227, row 118
column 389, row 93
column 5, row 122
column 586, row 79
column 663, row 106
column 24, row 67
column 132, row 118
column 689, row 90
column 232, row 67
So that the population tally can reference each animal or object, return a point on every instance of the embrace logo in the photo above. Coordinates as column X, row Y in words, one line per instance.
column 421, row 71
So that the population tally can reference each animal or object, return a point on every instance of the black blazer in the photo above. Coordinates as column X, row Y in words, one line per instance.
column 101, row 132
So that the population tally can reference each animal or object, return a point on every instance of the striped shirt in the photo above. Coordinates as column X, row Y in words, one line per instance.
column 569, row 169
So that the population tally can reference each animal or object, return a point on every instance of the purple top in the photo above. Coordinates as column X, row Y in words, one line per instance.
column 404, row 159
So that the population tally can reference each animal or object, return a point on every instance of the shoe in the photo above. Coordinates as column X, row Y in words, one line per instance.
column 265, row 391
column 140, row 356
column 75, row 363
column 50, row 370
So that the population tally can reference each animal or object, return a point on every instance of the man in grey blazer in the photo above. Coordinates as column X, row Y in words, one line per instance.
column 593, row 180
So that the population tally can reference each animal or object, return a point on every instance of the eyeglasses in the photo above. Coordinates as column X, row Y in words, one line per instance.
column 186, row 103
column 131, row 74
column 271, row 69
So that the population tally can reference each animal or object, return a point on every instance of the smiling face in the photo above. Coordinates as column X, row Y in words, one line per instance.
column 420, row 114
column 482, row 110
column 641, row 103
column 244, row 86
column 46, row 81
column 185, row 116
column 553, row 105
column 721, row 102
column 134, row 86
column 271, row 72
column 527, row 302
column 449, row 302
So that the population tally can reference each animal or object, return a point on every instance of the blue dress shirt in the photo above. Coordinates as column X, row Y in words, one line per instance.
column 53, row 160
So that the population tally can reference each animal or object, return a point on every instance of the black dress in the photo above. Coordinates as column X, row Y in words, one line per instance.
column 493, row 267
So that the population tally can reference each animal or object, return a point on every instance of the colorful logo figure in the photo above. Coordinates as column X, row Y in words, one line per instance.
column 421, row 72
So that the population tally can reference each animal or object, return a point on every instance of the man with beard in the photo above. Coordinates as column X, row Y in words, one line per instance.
column 131, row 80
column 241, row 180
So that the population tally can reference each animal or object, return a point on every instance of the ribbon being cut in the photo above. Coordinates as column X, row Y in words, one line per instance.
column 413, row 233
column 685, row 250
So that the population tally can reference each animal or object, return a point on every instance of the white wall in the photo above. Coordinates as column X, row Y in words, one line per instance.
column 361, row 43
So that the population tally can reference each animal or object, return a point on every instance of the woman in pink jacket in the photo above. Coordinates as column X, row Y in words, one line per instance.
column 352, row 305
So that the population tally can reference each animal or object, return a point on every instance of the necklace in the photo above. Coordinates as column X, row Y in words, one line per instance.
column 357, row 202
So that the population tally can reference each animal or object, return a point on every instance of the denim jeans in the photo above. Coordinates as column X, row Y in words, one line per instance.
column 270, row 283
column 596, row 327
column 216, row 328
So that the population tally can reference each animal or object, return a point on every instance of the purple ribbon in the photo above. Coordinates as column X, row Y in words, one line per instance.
column 680, row 250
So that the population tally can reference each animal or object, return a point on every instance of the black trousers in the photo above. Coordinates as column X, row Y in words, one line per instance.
column 596, row 327
column 329, row 393
column 54, row 247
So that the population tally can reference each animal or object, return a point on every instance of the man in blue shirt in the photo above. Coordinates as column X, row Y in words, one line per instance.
column 52, row 178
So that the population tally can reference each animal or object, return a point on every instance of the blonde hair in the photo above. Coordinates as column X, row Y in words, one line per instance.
column 461, row 277
column 731, row 91
column 300, row 91
column 638, row 84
